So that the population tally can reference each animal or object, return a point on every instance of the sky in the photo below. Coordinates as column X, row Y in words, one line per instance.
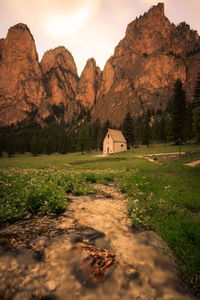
column 87, row 28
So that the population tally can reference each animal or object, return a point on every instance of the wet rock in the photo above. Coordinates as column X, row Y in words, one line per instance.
column 87, row 237
column 39, row 255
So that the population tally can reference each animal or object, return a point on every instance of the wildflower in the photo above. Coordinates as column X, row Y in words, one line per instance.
column 167, row 187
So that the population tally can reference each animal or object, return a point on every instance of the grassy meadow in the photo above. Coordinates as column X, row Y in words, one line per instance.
column 162, row 197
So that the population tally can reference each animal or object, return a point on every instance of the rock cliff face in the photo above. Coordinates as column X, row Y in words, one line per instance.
column 60, row 75
column 140, row 74
column 87, row 91
column 21, row 88
column 145, row 66
column 60, row 79
column 89, row 84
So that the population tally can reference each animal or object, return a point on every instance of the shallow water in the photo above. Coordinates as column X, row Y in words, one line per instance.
column 50, row 262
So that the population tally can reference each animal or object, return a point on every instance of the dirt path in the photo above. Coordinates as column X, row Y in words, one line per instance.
column 56, row 258
column 148, row 156
column 193, row 164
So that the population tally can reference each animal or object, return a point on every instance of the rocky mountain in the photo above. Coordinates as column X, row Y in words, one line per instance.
column 89, row 84
column 87, row 91
column 21, row 86
column 140, row 74
column 60, row 80
column 145, row 66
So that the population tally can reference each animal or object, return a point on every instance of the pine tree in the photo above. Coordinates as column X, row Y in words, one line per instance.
column 83, row 139
column 95, row 132
column 105, row 128
column 147, row 129
column 34, row 145
column 139, row 130
column 179, row 112
column 128, row 130
column 196, row 123
column 1, row 147
column 50, row 145
column 197, row 92
column 189, row 125
column 196, row 111
column 10, row 146
column 162, row 132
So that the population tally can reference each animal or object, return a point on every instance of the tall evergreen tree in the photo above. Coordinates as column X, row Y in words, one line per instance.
column 106, row 125
column 50, row 145
column 34, row 145
column 1, row 147
column 147, row 129
column 139, row 129
column 95, row 132
column 197, row 91
column 128, row 130
column 104, row 130
column 83, row 139
column 196, row 111
column 10, row 146
column 179, row 112
column 196, row 123
column 162, row 131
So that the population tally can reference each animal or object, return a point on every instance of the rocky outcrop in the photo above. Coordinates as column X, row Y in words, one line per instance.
column 141, row 74
column 60, row 79
column 60, row 75
column 21, row 87
column 87, row 92
column 89, row 84
column 145, row 65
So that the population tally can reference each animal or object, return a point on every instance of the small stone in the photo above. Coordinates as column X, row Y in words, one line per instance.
column 130, row 271
column 22, row 295
column 51, row 285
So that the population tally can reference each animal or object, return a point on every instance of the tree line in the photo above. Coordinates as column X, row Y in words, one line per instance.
column 179, row 122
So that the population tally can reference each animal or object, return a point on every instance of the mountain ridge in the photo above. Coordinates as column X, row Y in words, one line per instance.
column 140, row 74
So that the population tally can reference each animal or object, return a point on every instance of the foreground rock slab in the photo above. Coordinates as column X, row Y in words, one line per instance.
column 89, row 252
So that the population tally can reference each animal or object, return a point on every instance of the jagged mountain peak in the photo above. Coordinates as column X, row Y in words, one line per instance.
column 140, row 75
column 20, row 26
column 58, row 57
column 89, row 84
column 91, row 61
column 90, row 66
column 20, row 34
column 188, row 33
column 146, row 63
column 143, row 33
column 157, row 9
column 21, row 91
column 155, row 14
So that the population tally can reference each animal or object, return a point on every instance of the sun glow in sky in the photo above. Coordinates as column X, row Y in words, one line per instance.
column 87, row 28
column 61, row 25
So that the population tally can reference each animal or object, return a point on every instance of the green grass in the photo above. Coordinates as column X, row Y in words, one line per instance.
column 24, row 192
column 163, row 198
column 27, row 161
column 166, row 199
column 88, row 160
